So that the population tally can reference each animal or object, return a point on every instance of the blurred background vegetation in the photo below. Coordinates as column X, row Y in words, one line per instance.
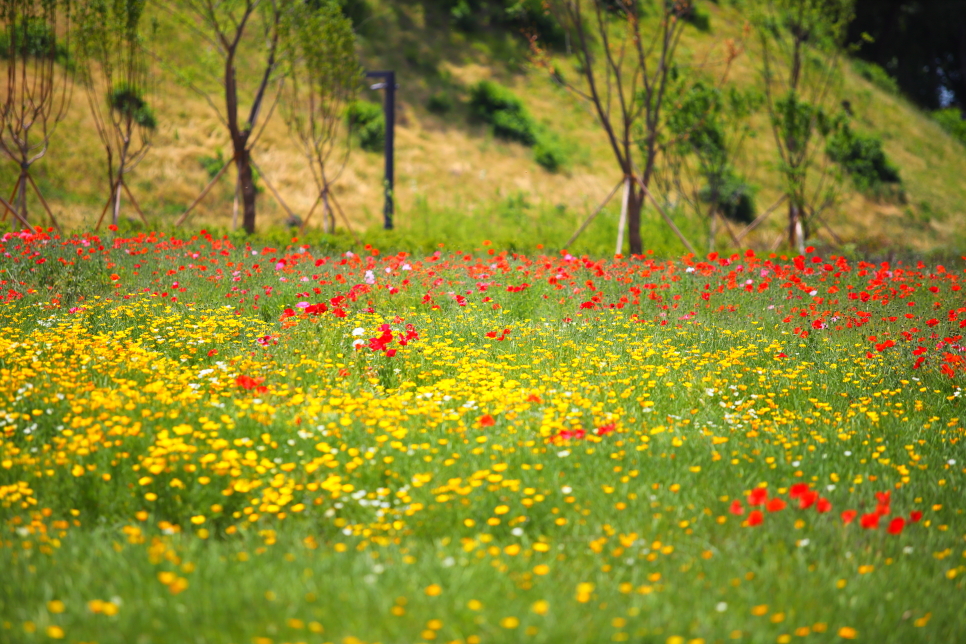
column 488, row 146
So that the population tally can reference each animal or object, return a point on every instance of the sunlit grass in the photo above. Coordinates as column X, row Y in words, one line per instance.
column 204, row 442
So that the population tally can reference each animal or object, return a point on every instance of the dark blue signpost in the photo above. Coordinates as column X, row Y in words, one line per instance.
column 389, row 110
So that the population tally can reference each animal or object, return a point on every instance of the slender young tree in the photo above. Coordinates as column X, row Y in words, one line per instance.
column 323, row 77
column 37, row 37
column 237, row 30
column 624, row 75
column 114, row 72
column 801, row 44
column 707, row 126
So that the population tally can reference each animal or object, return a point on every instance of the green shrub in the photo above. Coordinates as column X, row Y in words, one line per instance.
column 440, row 103
column 951, row 120
column 514, row 126
column 875, row 75
column 503, row 111
column 213, row 165
column 863, row 158
column 735, row 200
column 487, row 98
column 128, row 101
column 367, row 122
column 549, row 155
column 36, row 41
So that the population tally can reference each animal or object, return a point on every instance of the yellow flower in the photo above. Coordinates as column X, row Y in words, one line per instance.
column 55, row 632
column 433, row 590
column 56, row 606
column 848, row 633
column 509, row 622
column 540, row 607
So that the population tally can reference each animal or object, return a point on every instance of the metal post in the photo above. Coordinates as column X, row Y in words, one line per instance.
column 389, row 112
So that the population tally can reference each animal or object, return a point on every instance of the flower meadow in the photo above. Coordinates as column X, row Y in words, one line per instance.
column 211, row 440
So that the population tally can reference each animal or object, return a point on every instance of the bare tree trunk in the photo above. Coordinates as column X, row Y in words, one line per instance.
column 22, row 193
column 712, row 229
column 247, row 185
column 234, row 207
column 635, row 202
column 328, row 217
column 796, row 229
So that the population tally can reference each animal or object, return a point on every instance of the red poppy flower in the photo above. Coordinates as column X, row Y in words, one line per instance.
column 487, row 421
column 807, row 499
column 755, row 518
column 915, row 515
column 567, row 434
column 606, row 429
column 758, row 496
column 390, row 353
column 823, row 505
column 534, row 398
column 869, row 521
column 798, row 490
column 736, row 508
column 882, row 503
column 848, row 516
column 776, row 505
column 896, row 525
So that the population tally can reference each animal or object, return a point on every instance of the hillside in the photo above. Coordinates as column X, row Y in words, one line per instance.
column 456, row 182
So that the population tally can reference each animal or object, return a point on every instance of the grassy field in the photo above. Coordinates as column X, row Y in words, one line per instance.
column 455, row 181
column 207, row 440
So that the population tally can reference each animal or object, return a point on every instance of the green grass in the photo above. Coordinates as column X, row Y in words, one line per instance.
column 150, row 493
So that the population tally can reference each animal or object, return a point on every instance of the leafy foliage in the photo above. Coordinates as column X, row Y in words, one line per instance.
column 129, row 101
column 951, row 119
column 862, row 157
column 529, row 16
column 440, row 103
column 367, row 122
column 876, row 75
column 709, row 125
column 500, row 108
column 31, row 38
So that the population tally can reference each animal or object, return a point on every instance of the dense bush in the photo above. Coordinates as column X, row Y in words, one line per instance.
column 499, row 107
column 440, row 103
column 735, row 199
column 876, row 75
column 951, row 119
column 496, row 105
column 368, row 123
column 549, row 154
column 36, row 41
column 863, row 158
column 529, row 16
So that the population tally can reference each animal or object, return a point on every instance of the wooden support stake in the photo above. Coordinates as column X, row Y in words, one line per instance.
column 12, row 195
column 6, row 204
column 622, row 222
column 204, row 192
column 305, row 222
column 278, row 197
column 345, row 219
column 50, row 214
column 134, row 202
column 667, row 220
column 596, row 212
column 760, row 218
column 110, row 200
